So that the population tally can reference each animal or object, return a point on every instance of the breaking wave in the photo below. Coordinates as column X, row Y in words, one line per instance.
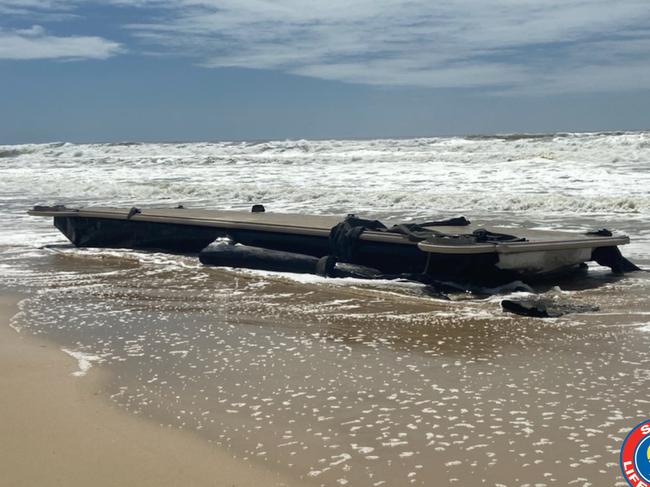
column 522, row 176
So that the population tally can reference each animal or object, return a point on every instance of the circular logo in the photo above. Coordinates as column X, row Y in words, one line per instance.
column 635, row 455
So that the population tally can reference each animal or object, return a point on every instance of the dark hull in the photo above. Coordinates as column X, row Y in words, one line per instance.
column 190, row 239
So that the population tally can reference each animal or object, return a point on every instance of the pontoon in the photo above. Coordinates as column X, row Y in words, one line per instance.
column 452, row 248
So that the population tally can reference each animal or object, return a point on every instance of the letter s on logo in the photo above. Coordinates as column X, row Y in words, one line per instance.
column 645, row 429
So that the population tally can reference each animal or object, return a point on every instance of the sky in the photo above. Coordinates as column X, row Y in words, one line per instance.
column 183, row 70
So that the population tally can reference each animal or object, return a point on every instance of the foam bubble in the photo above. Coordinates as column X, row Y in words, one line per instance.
column 84, row 360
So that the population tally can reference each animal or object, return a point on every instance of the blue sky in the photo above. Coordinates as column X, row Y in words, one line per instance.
column 84, row 70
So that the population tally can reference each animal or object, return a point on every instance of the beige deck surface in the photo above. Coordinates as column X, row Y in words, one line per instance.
column 320, row 222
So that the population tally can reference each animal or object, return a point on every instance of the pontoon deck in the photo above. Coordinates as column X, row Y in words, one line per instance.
column 448, row 252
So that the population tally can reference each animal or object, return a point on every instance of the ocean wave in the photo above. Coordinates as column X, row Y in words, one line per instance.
column 540, row 175
column 585, row 140
column 10, row 153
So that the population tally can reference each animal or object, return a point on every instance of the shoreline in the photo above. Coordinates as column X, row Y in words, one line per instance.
column 58, row 429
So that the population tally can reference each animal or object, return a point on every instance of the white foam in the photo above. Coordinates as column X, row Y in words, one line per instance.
column 84, row 360
column 315, row 279
column 591, row 174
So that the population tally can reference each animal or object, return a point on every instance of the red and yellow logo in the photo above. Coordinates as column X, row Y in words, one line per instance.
column 635, row 456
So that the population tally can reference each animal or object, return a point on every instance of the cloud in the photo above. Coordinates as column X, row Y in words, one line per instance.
column 35, row 43
column 41, row 9
column 504, row 45
column 498, row 46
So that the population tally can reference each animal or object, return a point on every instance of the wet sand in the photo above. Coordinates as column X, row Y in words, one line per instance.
column 332, row 384
column 58, row 429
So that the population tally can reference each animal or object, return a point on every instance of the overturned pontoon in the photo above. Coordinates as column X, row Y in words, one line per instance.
column 452, row 248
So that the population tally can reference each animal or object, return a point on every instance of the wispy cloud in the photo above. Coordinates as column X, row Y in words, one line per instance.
column 41, row 9
column 502, row 46
column 35, row 43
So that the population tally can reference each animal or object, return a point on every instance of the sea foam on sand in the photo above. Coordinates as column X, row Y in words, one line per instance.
column 84, row 361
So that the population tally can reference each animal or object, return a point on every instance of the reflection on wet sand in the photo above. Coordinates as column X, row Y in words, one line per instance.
column 336, row 382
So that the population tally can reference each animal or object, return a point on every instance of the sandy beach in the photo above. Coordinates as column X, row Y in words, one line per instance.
column 58, row 430
column 347, row 385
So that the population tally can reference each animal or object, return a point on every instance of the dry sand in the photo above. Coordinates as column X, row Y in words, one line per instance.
column 57, row 429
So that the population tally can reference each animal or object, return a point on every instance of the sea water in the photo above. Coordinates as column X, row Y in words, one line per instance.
column 340, row 381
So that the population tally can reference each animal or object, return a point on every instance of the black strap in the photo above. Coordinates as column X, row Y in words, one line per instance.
column 132, row 212
column 416, row 233
column 600, row 233
column 611, row 257
column 458, row 221
column 344, row 236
